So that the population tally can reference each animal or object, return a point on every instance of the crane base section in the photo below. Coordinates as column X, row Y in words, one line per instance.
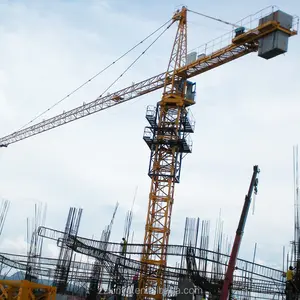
column 24, row 290
column 275, row 43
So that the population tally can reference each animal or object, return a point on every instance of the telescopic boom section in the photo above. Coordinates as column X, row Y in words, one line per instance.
column 167, row 139
column 239, row 234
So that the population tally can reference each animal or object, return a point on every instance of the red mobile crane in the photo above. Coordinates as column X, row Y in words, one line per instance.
column 239, row 235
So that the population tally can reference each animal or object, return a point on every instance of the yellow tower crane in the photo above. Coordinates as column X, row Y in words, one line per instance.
column 168, row 133
column 166, row 137
column 170, row 126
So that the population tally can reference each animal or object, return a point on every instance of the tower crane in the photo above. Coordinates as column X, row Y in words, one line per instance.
column 170, row 126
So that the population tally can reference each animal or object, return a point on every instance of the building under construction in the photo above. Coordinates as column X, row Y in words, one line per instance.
column 198, row 268
column 145, row 271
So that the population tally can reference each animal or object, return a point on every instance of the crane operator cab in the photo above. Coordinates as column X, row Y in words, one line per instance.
column 190, row 90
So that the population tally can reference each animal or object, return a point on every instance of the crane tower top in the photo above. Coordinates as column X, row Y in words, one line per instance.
column 180, row 15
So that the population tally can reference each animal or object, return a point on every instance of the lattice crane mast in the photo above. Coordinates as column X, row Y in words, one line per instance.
column 168, row 133
column 167, row 140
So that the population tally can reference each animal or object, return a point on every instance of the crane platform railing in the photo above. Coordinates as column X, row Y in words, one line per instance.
column 250, row 22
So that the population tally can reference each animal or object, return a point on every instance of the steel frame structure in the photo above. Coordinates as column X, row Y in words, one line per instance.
column 94, row 248
column 268, row 277
column 121, row 269
column 167, row 141
column 166, row 136
column 65, row 255
column 265, row 280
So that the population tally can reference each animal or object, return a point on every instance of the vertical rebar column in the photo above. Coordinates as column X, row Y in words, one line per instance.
column 97, row 271
column 36, row 242
column 65, row 255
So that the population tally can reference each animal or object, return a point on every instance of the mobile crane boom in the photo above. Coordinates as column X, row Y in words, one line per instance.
column 241, row 45
column 239, row 234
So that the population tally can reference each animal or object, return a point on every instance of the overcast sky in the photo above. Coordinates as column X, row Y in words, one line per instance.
column 247, row 113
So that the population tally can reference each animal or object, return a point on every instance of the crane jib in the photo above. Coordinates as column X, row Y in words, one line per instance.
column 240, row 46
column 131, row 92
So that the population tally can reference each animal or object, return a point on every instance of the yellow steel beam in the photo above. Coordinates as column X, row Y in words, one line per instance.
column 24, row 290
column 163, row 163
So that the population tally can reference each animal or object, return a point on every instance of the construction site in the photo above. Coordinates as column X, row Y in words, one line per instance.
column 201, row 266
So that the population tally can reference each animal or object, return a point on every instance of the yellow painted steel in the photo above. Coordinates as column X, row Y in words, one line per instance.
column 236, row 48
column 24, row 289
column 161, row 197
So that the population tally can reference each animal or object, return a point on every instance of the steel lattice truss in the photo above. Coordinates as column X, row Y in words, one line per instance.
column 203, row 64
column 166, row 147
column 251, row 277
column 136, row 90
column 248, row 277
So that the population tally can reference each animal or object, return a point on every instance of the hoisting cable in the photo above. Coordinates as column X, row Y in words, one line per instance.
column 213, row 18
column 100, row 72
column 135, row 60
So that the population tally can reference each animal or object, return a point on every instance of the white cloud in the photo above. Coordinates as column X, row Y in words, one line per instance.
column 11, row 245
